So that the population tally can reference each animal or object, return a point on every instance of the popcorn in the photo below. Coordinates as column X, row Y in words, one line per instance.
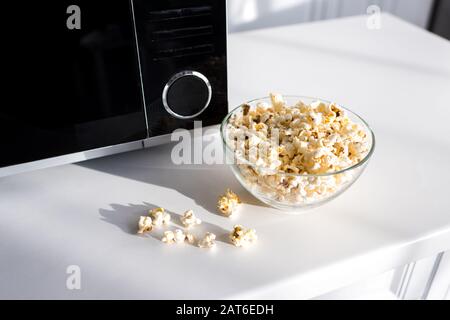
column 190, row 238
column 144, row 225
column 168, row 237
column 207, row 241
column 277, row 101
column 241, row 237
column 177, row 236
column 189, row 219
column 271, row 141
column 228, row 203
column 159, row 217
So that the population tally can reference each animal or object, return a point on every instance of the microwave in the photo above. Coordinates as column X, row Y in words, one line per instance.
column 86, row 78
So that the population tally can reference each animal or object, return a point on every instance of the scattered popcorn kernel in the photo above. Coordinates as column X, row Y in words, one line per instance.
column 168, row 237
column 159, row 217
column 188, row 219
column 208, row 241
column 145, row 225
column 233, row 196
column 277, row 101
column 241, row 237
column 177, row 236
column 190, row 238
column 228, row 203
column 245, row 108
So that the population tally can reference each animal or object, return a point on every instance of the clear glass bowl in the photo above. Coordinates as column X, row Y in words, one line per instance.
column 265, row 185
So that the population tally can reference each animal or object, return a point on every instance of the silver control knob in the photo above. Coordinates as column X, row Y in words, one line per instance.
column 187, row 94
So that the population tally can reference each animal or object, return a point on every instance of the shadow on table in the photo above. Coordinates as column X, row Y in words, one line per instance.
column 201, row 183
column 126, row 217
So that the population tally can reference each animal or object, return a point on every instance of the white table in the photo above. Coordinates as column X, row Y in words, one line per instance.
column 398, row 78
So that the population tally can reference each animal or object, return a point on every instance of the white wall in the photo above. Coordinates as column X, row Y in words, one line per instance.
column 254, row 14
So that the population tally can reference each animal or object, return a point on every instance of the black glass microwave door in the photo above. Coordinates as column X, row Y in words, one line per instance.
column 68, row 90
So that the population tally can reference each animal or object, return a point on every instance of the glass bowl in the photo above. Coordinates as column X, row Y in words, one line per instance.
column 265, row 184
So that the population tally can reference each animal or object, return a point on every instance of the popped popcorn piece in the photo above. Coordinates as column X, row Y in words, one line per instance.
column 241, row 237
column 144, row 225
column 208, row 241
column 228, row 203
column 177, row 236
column 271, row 140
column 190, row 238
column 159, row 217
column 188, row 219
column 168, row 237
column 277, row 101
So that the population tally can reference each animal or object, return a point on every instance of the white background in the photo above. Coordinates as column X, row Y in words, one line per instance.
column 255, row 14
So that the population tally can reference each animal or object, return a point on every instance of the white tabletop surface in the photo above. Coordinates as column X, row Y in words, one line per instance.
column 397, row 78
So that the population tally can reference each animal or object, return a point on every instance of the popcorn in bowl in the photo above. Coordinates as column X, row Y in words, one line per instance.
column 178, row 236
column 296, row 152
column 144, row 225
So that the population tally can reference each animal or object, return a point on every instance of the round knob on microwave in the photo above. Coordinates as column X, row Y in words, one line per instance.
column 187, row 94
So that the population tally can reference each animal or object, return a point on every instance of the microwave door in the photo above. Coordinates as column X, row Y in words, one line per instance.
column 68, row 90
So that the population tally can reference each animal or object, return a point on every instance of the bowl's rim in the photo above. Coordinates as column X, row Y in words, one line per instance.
column 300, row 97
